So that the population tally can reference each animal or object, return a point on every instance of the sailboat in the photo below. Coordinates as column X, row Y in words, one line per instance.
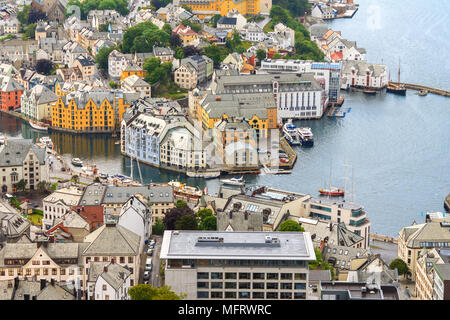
column 332, row 191
column 396, row 88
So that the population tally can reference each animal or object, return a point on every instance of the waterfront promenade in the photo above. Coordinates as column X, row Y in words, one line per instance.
column 419, row 87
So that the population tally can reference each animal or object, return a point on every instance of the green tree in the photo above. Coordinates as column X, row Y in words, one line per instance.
column 181, row 204
column 103, row 27
column 291, row 225
column 22, row 16
column 167, row 28
column 261, row 54
column 44, row 186
column 29, row 31
column 178, row 53
column 101, row 57
column 156, row 71
column 174, row 214
column 203, row 213
column 400, row 265
column 121, row 6
column 320, row 264
column 21, row 185
column 75, row 178
column 295, row 7
column 158, row 227
column 214, row 20
column 187, row 222
column 148, row 292
column 208, row 223
column 216, row 53
column 143, row 36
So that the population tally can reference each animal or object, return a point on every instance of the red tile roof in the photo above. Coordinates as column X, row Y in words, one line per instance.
column 92, row 214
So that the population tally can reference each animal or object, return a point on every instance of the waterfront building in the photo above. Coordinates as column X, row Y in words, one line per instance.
column 226, row 265
column 324, row 12
column 424, row 272
column 93, row 111
column 10, row 93
column 412, row 239
column 20, row 159
column 37, row 103
column 363, row 75
column 210, row 8
column 58, row 204
column 277, row 205
column 181, row 147
column 297, row 96
column 327, row 74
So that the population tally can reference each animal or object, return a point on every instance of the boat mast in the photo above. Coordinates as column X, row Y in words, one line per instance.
column 398, row 71
column 140, row 173
column 131, row 158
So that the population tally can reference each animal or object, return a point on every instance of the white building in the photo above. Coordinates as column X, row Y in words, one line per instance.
column 37, row 103
column 136, row 84
column 21, row 159
column 58, row 204
column 238, row 265
column 363, row 74
column 253, row 32
column 117, row 62
column 108, row 281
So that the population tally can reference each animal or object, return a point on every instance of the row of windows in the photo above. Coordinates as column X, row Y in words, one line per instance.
column 247, row 295
column 254, row 276
column 253, row 285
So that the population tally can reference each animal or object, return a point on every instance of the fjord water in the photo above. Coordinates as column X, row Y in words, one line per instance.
column 398, row 147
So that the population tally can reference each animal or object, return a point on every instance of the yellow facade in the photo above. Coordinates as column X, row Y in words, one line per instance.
column 88, row 117
column 125, row 74
column 223, row 7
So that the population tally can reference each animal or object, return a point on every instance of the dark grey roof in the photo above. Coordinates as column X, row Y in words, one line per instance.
column 93, row 195
column 112, row 241
column 319, row 275
column 14, row 152
column 155, row 194
column 227, row 20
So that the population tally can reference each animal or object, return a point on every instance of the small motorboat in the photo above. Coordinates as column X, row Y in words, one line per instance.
column 369, row 91
column 203, row 174
column 77, row 162
column 335, row 192
column 235, row 181
column 423, row 93
column 38, row 125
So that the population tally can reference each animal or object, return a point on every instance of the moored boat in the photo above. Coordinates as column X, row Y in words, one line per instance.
column 38, row 125
column 291, row 134
column 333, row 191
column 235, row 181
column 77, row 162
column 423, row 93
column 203, row 174
column 47, row 141
column 306, row 137
column 369, row 91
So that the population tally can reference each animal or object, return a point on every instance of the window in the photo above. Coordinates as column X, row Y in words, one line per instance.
column 285, row 295
column 230, row 285
column 216, row 295
column 286, row 286
column 230, row 295
column 122, row 259
column 286, row 276
column 258, row 276
column 216, row 275
column 272, row 295
column 258, row 285
column 216, row 285
column 203, row 285
column 272, row 285
column 299, row 295
column 202, row 295
column 202, row 275
column 300, row 286
column 244, row 275
column 104, row 287
column 244, row 295
column 244, row 285
column 272, row 276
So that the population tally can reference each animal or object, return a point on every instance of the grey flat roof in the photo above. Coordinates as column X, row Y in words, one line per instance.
column 237, row 245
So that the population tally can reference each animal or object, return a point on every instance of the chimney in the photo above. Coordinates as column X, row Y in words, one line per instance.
column 105, row 269
column 246, row 215
column 231, row 214
column 331, row 226
column 43, row 283
column 16, row 283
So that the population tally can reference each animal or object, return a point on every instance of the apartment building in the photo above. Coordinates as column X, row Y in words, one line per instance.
column 412, row 239
column 441, row 289
column 117, row 62
column 132, row 69
column 327, row 74
column 237, row 265
column 10, row 93
column 297, row 96
column 136, row 84
column 210, row 8
column 21, row 159
column 108, row 281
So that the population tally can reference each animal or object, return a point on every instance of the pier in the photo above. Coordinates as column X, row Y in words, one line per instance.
column 418, row 87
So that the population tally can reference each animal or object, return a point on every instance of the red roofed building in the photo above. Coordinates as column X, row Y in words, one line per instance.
column 336, row 56
column 92, row 214
column 186, row 34
column 10, row 93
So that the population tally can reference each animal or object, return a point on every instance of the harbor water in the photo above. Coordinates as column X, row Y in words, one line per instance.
column 398, row 148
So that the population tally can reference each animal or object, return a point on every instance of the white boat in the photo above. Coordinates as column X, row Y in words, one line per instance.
column 38, row 125
column 235, row 181
column 77, row 162
column 306, row 137
column 203, row 174
column 47, row 141
column 291, row 134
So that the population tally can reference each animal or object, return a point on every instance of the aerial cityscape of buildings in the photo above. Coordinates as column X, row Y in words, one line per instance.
column 204, row 89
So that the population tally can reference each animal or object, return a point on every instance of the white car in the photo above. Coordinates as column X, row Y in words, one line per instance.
column 150, row 252
column 146, row 275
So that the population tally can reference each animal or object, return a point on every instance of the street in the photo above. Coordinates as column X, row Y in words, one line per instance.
column 155, row 278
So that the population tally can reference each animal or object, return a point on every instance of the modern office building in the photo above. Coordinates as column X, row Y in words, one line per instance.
column 237, row 265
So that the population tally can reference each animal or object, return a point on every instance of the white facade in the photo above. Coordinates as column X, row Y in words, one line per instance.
column 363, row 74
column 58, row 204
column 117, row 62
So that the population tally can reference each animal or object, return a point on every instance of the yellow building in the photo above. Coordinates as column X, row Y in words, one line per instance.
column 205, row 8
column 89, row 111
column 131, row 70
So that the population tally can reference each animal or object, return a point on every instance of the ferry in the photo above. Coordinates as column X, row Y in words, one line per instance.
column 77, row 162
column 306, row 137
column 38, row 125
column 291, row 134
column 235, row 181
column 332, row 191
column 184, row 191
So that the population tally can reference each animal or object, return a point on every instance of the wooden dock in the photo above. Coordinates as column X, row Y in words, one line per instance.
column 418, row 87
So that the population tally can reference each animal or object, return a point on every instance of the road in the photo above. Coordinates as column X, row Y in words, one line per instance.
column 263, row 23
column 155, row 278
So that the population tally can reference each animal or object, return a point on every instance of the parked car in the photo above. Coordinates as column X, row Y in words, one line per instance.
column 150, row 252
column 151, row 246
column 146, row 275
column 148, row 264
column 152, row 243
column 63, row 169
column 284, row 160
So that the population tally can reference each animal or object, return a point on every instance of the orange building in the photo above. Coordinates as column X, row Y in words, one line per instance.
column 10, row 93
column 99, row 111
column 204, row 8
column 132, row 69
